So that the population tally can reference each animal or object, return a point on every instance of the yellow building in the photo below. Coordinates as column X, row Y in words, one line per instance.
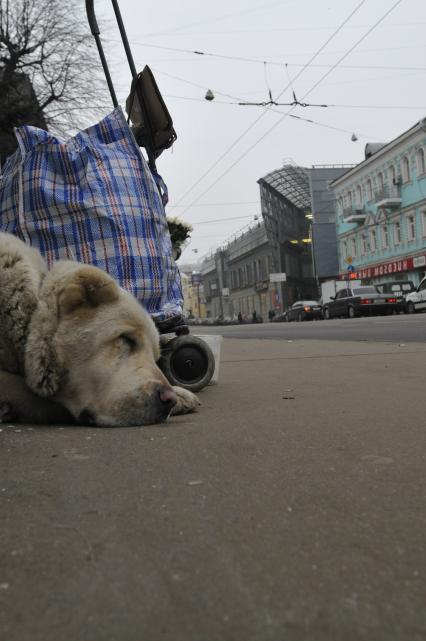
column 193, row 297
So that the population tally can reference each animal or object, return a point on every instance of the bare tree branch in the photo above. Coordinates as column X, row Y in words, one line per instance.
column 48, row 60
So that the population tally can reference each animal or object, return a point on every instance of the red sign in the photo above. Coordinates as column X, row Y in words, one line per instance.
column 384, row 269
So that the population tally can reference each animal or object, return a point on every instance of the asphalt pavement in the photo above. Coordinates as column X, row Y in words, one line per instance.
column 401, row 327
column 291, row 507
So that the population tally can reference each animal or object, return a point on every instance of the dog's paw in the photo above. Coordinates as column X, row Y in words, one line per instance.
column 7, row 415
column 187, row 401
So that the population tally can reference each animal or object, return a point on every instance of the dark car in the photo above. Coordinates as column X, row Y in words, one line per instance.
column 360, row 301
column 399, row 288
column 304, row 310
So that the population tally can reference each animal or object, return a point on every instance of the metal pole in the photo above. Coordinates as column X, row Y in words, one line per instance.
column 96, row 34
column 150, row 146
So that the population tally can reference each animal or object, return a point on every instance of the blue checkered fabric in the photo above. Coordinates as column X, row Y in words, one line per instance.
column 93, row 199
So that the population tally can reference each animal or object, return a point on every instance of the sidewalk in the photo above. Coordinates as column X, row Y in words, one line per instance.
column 290, row 508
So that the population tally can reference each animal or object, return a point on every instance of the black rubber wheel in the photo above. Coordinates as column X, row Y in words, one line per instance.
column 410, row 308
column 351, row 312
column 187, row 361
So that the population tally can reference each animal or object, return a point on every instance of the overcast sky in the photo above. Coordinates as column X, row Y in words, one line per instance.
column 387, row 69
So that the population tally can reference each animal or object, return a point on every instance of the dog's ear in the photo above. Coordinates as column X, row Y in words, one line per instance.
column 89, row 288
column 43, row 368
column 82, row 290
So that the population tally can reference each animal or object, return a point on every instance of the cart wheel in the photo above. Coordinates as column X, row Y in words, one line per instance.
column 187, row 361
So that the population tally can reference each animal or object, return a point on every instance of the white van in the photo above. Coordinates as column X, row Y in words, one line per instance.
column 416, row 301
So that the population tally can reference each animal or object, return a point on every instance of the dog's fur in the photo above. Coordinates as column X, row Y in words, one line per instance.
column 74, row 345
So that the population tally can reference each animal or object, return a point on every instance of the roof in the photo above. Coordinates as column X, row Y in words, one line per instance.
column 292, row 182
column 380, row 151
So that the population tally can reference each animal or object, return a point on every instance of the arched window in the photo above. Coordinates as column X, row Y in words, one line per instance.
column 392, row 175
column 373, row 240
column 353, row 247
column 406, row 176
column 381, row 182
column 421, row 161
column 369, row 190
column 385, row 236
column 358, row 196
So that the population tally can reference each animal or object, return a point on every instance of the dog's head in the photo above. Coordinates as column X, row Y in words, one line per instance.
column 92, row 347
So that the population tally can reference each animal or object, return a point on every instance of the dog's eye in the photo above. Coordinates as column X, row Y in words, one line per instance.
column 128, row 341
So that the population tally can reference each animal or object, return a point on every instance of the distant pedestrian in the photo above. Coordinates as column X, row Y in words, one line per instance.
column 271, row 315
column 254, row 316
column 240, row 317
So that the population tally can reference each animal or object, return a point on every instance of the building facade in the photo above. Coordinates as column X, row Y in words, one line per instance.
column 324, row 237
column 286, row 209
column 381, row 211
column 236, row 277
column 193, row 295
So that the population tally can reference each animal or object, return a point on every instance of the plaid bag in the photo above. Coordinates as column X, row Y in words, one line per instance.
column 93, row 199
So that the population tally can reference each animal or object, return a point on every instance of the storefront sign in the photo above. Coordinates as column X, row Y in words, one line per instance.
column 419, row 261
column 387, row 269
column 278, row 278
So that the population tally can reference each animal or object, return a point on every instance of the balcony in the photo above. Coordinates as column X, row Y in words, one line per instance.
column 354, row 214
column 388, row 197
column 261, row 285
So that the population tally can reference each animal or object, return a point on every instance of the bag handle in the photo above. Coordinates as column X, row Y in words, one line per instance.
column 91, row 17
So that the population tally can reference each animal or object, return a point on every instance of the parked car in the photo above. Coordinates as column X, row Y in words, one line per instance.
column 416, row 301
column 399, row 288
column 304, row 310
column 358, row 301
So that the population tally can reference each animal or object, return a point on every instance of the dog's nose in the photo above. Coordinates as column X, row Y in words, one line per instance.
column 166, row 400
column 167, row 395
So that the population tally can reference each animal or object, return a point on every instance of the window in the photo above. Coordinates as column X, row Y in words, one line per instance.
column 239, row 281
column 369, row 190
column 421, row 162
column 353, row 247
column 345, row 249
column 385, row 237
column 255, row 272
column 406, row 176
column 358, row 197
column 364, row 243
column 381, row 181
column 373, row 240
column 397, row 232
column 411, row 227
column 423, row 217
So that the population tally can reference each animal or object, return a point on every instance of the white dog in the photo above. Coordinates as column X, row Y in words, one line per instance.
column 72, row 342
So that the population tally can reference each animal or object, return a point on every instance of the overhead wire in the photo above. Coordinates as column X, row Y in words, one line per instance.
column 287, row 113
column 262, row 61
column 222, row 220
column 261, row 7
column 308, row 120
column 280, row 29
column 224, row 204
column 253, row 124
column 259, row 104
